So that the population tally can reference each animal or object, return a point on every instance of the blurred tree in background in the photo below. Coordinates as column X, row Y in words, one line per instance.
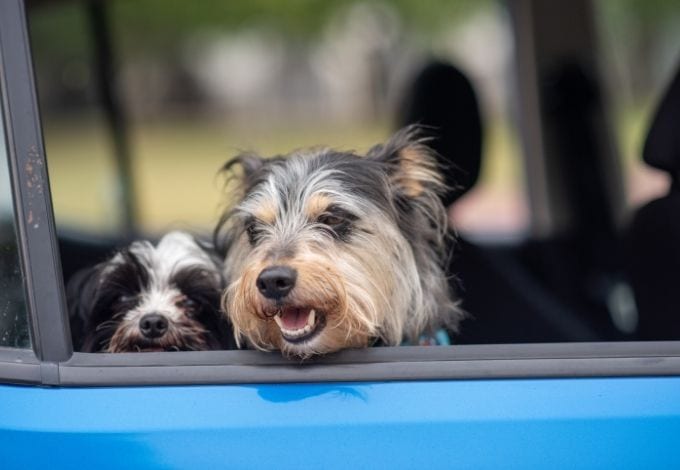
column 162, row 24
column 159, row 27
column 646, row 40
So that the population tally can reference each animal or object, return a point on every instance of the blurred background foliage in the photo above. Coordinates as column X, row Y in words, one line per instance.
column 201, row 80
column 160, row 24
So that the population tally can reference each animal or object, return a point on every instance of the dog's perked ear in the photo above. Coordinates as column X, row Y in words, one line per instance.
column 243, row 172
column 247, row 169
column 411, row 165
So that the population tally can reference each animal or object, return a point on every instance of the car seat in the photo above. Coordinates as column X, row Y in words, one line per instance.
column 505, row 302
column 653, row 239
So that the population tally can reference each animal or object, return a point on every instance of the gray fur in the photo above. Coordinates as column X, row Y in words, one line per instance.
column 397, row 222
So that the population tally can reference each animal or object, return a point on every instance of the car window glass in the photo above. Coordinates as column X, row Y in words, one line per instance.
column 13, row 318
column 139, row 111
column 197, row 85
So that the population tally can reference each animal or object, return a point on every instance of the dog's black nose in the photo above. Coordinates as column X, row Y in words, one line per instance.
column 276, row 282
column 153, row 325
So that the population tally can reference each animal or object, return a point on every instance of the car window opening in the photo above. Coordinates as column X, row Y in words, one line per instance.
column 555, row 226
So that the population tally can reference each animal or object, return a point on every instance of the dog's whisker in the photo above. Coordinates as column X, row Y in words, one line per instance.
column 106, row 324
column 119, row 315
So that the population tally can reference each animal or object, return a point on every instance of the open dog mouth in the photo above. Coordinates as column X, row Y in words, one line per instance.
column 298, row 324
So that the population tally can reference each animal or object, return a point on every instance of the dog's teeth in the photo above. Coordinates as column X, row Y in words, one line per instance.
column 297, row 333
column 292, row 334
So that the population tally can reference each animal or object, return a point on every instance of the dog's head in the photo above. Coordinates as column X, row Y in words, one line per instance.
column 149, row 298
column 327, row 250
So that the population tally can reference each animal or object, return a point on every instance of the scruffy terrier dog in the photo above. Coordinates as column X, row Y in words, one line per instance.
column 326, row 250
column 150, row 298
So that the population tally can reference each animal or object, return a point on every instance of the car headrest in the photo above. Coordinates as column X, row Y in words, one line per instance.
column 662, row 146
column 443, row 100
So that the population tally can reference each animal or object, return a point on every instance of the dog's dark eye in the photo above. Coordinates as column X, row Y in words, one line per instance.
column 330, row 219
column 253, row 230
column 127, row 299
column 187, row 304
column 338, row 220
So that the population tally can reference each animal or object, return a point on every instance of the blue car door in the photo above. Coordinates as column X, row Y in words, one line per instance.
column 578, row 405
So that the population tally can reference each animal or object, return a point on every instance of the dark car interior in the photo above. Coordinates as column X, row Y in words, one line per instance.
column 652, row 253
column 594, row 278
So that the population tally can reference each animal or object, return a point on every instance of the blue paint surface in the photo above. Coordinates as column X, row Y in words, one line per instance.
column 577, row 423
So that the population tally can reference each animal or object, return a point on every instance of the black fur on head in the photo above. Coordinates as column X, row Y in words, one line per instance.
column 150, row 298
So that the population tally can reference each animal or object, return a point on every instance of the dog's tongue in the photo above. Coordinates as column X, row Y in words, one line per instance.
column 294, row 318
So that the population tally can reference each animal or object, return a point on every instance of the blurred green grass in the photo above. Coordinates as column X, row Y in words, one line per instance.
column 175, row 167
column 176, row 163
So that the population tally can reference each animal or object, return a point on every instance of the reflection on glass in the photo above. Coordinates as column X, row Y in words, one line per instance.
column 13, row 318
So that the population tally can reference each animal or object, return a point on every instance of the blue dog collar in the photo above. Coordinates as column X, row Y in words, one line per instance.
column 439, row 338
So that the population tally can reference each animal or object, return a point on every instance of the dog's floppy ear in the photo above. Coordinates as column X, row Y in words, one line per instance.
column 81, row 293
column 411, row 165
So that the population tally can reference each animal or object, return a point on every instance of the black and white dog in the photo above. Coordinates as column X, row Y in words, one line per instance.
column 326, row 250
column 150, row 298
